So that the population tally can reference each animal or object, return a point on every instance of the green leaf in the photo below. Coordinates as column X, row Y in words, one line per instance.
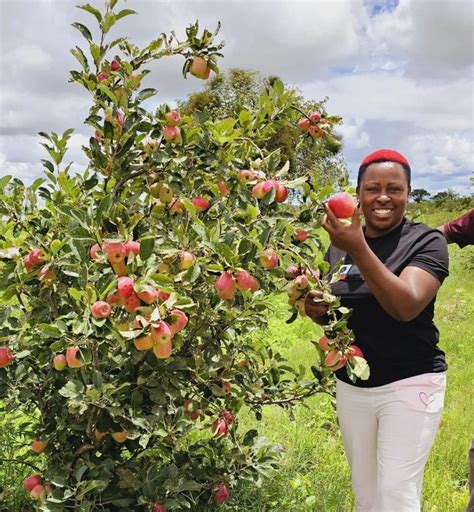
column 96, row 54
column 146, row 93
column 361, row 368
column 50, row 330
column 92, row 10
column 147, row 246
column 72, row 389
column 83, row 30
column 124, row 12
column 109, row 22
column 108, row 92
column 79, row 55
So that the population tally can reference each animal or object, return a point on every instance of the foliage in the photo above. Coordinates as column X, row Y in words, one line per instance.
column 419, row 194
column 125, row 427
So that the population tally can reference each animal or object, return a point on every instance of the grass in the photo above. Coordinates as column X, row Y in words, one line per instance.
column 314, row 475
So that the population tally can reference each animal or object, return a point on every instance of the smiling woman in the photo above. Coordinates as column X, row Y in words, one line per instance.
column 394, row 270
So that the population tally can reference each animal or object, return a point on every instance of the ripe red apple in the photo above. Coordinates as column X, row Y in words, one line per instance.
column 132, row 302
column 257, row 190
column 94, row 250
column 315, row 131
column 173, row 118
column 292, row 272
column 270, row 184
column 281, row 194
column 158, row 507
column 269, row 258
column 226, row 387
column 342, row 205
column 201, row 204
column 163, row 296
column 221, row 493
column 177, row 320
column 59, row 362
column 114, row 299
column 246, row 281
column 116, row 252
column 172, row 134
column 115, row 65
column 227, row 415
column 225, row 286
column 199, row 68
column 301, row 282
column 324, row 343
column 163, row 350
column 301, row 235
column 120, row 437
column 37, row 257
column 354, row 351
column 223, row 188
column 335, row 360
column 149, row 296
column 125, row 286
column 101, row 309
column 315, row 117
column 46, row 275
column 303, row 124
column 245, row 176
column 32, row 481
column 132, row 248
column 161, row 332
column 37, row 492
column 187, row 260
column 6, row 357
column 143, row 343
column 38, row 446
column 71, row 358
column 102, row 76
column 220, row 428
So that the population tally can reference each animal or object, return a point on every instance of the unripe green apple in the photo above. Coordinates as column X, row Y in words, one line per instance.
column 59, row 362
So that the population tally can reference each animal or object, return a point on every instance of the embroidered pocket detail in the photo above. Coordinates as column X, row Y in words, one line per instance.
column 426, row 399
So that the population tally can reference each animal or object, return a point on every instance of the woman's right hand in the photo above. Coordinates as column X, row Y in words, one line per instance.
column 317, row 311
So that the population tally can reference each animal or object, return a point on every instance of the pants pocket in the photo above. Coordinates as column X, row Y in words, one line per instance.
column 424, row 393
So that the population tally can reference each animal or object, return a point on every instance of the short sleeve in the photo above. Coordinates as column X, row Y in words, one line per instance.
column 461, row 230
column 432, row 255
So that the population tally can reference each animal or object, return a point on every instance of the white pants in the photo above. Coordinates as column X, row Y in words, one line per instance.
column 388, row 432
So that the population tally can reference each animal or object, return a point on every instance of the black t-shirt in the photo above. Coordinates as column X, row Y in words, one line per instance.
column 394, row 350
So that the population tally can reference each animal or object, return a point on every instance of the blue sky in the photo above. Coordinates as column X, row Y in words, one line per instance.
column 400, row 73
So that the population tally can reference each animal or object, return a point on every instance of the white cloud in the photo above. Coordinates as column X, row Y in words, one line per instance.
column 28, row 58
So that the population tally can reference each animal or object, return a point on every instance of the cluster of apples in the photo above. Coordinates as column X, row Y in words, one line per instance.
column 164, row 198
column 34, row 485
column 117, row 254
column 312, row 124
column 226, row 284
column 172, row 132
column 261, row 186
column 38, row 258
column 335, row 357
column 220, row 426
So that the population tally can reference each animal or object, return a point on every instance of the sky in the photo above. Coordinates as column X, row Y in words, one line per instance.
column 399, row 72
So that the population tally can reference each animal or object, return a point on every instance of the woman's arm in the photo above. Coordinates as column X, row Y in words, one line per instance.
column 403, row 297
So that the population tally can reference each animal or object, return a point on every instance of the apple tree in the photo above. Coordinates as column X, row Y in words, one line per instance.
column 136, row 291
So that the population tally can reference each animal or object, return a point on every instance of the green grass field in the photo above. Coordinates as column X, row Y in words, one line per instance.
column 314, row 475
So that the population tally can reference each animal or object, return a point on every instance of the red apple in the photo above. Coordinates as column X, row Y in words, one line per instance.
column 342, row 205
column 201, row 204
column 223, row 188
column 226, row 387
column 301, row 282
column 227, row 415
column 163, row 350
column 120, row 437
column 158, row 507
column 257, row 190
column 71, row 358
column 125, row 286
column 292, row 272
column 101, row 309
column 46, row 275
column 246, row 281
column 149, row 296
column 301, row 235
column 245, row 175
column 132, row 248
column 270, row 184
column 132, row 302
column 303, row 124
column 269, row 258
column 6, row 357
column 36, row 257
column 354, row 351
column 161, row 332
column 315, row 117
column 199, row 68
column 116, row 252
column 173, row 118
column 187, row 260
column 59, row 362
column 177, row 320
column 221, row 493
column 281, row 194
column 324, row 343
column 94, row 250
column 102, row 76
column 32, row 481
column 38, row 446
column 37, row 492
column 143, row 343
column 225, row 286
column 172, row 134
column 115, row 300
column 220, row 428
column 335, row 360
column 115, row 65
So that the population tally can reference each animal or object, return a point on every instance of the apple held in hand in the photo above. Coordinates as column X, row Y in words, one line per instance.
column 335, row 360
column 342, row 205
column 6, row 357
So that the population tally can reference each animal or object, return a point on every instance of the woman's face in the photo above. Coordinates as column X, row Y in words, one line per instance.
column 383, row 195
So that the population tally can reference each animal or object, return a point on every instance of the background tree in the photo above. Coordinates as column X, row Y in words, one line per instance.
column 419, row 194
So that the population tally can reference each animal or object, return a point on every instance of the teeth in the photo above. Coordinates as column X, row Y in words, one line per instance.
column 383, row 211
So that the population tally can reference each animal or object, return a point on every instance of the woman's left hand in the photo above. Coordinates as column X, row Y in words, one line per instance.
column 347, row 238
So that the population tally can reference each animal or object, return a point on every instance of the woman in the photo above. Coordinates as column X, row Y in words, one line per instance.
column 396, row 267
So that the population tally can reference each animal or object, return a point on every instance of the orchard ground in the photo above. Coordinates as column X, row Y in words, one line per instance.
column 314, row 475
